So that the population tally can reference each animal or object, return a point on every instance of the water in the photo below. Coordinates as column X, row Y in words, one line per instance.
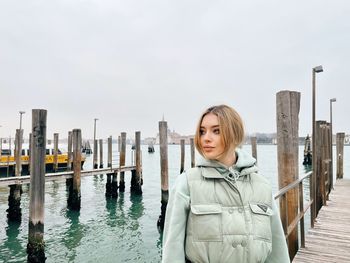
column 109, row 230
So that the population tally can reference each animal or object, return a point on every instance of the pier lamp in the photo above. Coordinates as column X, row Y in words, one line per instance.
column 20, row 119
column 331, row 142
column 315, row 70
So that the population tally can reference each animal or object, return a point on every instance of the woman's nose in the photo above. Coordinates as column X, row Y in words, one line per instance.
column 207, row 136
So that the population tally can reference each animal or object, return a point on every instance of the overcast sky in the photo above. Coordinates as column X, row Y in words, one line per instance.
column 128, row 63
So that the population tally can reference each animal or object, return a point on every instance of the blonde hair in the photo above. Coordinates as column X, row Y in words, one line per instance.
column 230, row 124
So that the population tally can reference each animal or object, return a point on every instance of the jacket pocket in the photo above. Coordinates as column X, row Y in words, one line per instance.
column 261, row 217
column 207, row 224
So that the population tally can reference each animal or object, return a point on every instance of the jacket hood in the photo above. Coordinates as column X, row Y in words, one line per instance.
column 244, row 165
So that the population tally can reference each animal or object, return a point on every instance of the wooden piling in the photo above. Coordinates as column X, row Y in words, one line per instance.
column 119, row 143
column 193, row 161
column 30, row 152
column 136, row 174
column 18, row 153
column 163, row 149
column 95, row 165
column 122, row 161
column 101, row 152
column 182, row 160
column 340, row 154
column 109, row 164
column 14, row 213
column 70, row 157
column 319, row 163
column 55, row 152
column 74, row 199
column 36, row 244
column 324, row 164
column 254, row 150
column 288, row 105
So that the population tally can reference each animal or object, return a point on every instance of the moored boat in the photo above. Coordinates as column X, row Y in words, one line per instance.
column 7, row 161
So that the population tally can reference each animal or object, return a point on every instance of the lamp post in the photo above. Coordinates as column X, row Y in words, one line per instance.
column 20, row 119
column 315, row 70
column 331, row 146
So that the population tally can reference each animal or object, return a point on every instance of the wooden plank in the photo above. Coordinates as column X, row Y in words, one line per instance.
column 329, row 240
column 63, row 175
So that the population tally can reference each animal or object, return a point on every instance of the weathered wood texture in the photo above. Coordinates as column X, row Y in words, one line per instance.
column 101, row 153
column 182, row 159
column 109, row 156
column 55, row 152
column 122, row 161
column 136, row 180
column 70, row 156
column 288, row 105
column 163, row 150
column 254, row 150
column 329, row 240
column 74, row 201
column 95, row 165
column 193, row 157
column 319, row 163
column 340, row 154
column 35, row 247
column 18, row 153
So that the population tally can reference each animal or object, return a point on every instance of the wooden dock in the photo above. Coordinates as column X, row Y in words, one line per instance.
column 6, row 181
column 329, row 240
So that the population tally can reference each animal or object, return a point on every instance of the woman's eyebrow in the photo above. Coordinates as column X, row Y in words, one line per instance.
column 214, row 126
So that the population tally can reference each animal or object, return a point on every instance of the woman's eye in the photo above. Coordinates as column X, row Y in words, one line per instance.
column 202, row 132
column 216, row 131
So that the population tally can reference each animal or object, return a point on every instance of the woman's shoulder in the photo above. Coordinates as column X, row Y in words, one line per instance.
column 259, row 178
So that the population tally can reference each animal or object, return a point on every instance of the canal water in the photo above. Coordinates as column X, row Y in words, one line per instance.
column 105, row 229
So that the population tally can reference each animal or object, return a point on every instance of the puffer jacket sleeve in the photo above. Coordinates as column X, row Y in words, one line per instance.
column 175, row 222
column 279, row 252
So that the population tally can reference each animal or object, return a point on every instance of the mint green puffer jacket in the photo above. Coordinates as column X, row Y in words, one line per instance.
column 223, row 214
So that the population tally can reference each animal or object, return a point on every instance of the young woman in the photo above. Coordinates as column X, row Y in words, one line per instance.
column 222, row 210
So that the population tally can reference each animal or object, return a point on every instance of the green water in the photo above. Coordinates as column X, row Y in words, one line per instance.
column 105, row 229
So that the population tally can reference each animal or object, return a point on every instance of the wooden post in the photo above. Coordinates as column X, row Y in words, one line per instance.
column 70, row 154
column 163, row 146
column 119, row 143
column 14, row 213
column 136, row 181
column 288, row 105
column 122, row 161
column 95, row 165
column 109, row 164
column 101, row 153
column 340, row 154
column 8, row 158
column 36, row 245
column 30, row 152
column 74, row 199
column 324, row 164
column 55, row 152
column 193, row 162
column 18, row 153
column 182, row 164
column 319, row 145
column 254, row 150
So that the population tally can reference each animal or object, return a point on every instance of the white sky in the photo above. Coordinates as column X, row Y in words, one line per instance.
column 129, row 62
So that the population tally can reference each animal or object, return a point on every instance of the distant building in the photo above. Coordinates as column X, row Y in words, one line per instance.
column 175, row 138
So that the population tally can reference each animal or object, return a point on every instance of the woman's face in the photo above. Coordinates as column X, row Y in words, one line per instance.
column 210, row 137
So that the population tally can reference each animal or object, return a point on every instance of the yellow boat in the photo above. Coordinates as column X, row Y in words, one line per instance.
column 7, row 161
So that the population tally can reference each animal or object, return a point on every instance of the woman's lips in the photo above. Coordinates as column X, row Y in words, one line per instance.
column 208, row 148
